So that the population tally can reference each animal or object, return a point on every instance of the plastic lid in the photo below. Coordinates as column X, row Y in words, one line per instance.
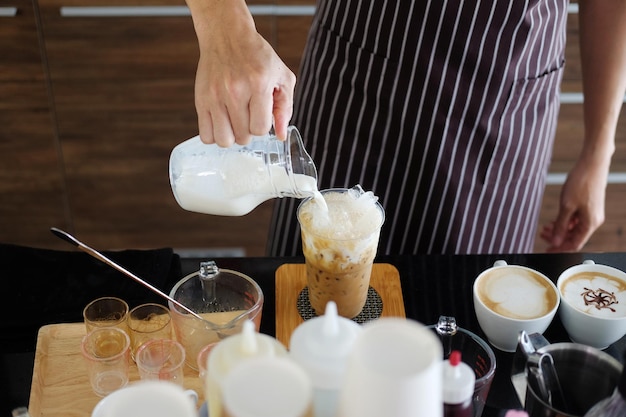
column 458, row 380
column 322, row 345
column 246, row 344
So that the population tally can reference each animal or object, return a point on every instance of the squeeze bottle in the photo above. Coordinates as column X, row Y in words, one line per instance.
column 321, row 346
column 458, row 387
column 267, row 387
column 231, row 351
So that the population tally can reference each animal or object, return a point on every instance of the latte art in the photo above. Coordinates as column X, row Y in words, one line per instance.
column 596, row 293
column 517, row 293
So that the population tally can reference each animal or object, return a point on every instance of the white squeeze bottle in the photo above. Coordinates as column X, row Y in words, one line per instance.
column 231, row 351
column 458, row 387
column 233, row 181
column 321, row 346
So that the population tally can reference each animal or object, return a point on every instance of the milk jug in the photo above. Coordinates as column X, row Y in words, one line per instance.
column 233, row 181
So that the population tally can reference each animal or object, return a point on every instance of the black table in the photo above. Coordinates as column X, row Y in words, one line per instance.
column 432, row 285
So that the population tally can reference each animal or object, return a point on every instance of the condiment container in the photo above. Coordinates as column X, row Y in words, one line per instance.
column 321, row 346
column 458, row 387
column 231, row 351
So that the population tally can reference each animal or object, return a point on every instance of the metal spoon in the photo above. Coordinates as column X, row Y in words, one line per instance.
column 71, row 239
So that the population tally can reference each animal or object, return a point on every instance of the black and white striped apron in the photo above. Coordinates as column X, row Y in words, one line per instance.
column 445, row 109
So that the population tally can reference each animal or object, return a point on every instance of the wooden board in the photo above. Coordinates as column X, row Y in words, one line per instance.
column 60, row 386
column 291, row 279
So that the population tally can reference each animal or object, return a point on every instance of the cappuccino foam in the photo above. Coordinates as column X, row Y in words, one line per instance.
column 516, row 293
column 595, row 293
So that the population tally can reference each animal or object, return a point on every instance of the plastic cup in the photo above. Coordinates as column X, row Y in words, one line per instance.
column 161, row 359
column 203, row 361
column 148, row 322
column 106, row 312
column 106, row 351
column 339, row 252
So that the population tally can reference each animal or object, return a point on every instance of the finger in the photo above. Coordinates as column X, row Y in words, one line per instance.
column 579, row 235
column 260, row 109
column 563, row 223
column 283, row 107
column 240, row 123
column 237, row 108
column 546, row 232
column 223, row 133
column 205, row 127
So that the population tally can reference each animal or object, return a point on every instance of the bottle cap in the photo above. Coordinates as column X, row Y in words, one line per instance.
column 458, row 380
column 322, row 345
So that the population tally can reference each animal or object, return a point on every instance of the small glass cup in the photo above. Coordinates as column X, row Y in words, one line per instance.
column 474, row 351
column 148, row 322
column 106, row 312
column 106, row 351
column 203, row 362
column 161, row 359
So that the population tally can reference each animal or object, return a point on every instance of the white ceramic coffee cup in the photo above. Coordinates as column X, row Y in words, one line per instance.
column 148, row 399
column 512, row 298
column 593, row 303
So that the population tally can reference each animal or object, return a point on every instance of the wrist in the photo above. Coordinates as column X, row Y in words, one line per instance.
column 214, row 18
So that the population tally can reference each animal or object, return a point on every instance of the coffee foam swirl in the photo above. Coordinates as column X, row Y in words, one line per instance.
column 595, row 293
column 517, row 293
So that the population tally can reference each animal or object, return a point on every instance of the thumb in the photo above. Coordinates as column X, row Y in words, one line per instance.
column 562, row 225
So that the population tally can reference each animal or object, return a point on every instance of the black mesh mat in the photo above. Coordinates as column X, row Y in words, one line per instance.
column 371, row 311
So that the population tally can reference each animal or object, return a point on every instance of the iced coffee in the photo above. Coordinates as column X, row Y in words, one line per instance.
column 339, row 241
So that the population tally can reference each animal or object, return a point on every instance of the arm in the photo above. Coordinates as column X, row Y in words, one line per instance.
column 241, row 83
column 603, row 56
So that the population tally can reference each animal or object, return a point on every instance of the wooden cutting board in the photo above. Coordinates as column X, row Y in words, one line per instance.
column 60, row 386
column 291, row 280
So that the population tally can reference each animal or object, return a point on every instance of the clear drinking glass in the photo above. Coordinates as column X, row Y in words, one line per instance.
column 106, row 312
column 148, row 322
column 106, row 351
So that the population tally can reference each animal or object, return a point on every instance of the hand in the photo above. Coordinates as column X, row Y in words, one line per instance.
column 242, row 86
column 581, row 209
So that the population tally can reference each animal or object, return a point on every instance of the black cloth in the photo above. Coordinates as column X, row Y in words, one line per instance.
column 43, row 286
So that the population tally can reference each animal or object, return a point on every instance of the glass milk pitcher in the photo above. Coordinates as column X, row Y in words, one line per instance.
column 233, row 181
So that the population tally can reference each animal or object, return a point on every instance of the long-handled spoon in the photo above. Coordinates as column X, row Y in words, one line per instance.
column 71, row 239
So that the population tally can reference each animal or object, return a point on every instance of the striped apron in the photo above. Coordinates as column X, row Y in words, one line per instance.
column 445, row 109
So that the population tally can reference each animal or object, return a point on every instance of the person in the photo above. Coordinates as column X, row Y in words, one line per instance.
column 445, row 109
